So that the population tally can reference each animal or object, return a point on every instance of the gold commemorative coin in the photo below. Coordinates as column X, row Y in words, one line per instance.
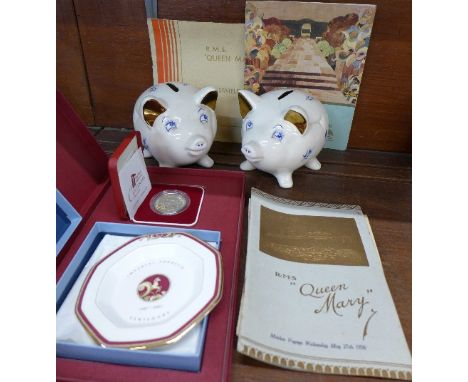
column 170, row 202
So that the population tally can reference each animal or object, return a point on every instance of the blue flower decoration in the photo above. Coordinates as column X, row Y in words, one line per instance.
column 248, row 125
column 307, row 154
column 153, row 88
column 170, row 125
column 309, row 98
column 203, row 118
column 278, row 135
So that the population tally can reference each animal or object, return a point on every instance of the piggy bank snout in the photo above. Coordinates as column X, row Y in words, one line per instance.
column 252, row 151
column 197, row 145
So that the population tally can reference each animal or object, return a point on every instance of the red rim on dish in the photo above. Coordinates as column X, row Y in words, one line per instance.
column 149, row 289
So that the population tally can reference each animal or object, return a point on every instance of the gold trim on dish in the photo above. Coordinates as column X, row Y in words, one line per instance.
column 191, row 323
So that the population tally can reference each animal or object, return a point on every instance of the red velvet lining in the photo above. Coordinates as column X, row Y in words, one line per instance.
column 81, row 170
column 186, row 217
column 222, row 211
column 223, row 208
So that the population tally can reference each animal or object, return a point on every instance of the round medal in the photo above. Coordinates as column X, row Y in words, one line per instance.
column 170, row 202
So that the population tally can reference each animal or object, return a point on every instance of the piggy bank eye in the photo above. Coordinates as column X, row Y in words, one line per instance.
column 170, row 124
column 278, row 134
column 248, row 125
column 203, row 118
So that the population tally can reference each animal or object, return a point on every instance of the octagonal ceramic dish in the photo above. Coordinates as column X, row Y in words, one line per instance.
column 151, row 291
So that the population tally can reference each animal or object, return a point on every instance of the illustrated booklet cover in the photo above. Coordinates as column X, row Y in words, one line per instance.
column 315, row 296
column 202, row 54
column 320, row 48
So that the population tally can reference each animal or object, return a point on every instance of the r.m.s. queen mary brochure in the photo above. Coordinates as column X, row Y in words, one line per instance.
column 315, row 296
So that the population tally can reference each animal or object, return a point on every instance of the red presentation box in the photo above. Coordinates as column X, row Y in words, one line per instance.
column 83, row 178
column 127, row 151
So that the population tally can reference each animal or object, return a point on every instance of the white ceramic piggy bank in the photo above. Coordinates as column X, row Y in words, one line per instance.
column 177, row 123
column 282, row 130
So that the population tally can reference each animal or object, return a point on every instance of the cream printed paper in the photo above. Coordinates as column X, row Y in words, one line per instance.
column 202, row 54
column 315, row 295
column 134, row 182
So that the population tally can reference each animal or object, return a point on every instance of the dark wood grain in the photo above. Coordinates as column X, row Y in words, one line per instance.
column 377, row 181
column 116, row 49
column 70, row 66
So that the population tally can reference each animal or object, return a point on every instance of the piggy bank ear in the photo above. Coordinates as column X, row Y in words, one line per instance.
column 207, row 96
column 297, row 119
column 152, row 109
column 247, row 101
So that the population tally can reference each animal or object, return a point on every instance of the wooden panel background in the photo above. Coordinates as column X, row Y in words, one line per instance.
column 104, row 63
column 71, row 73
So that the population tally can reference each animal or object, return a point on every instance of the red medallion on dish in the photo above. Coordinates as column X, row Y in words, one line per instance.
column 153, row 287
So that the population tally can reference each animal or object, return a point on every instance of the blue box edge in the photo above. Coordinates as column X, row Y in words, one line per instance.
column 115, row 355
column 72, row 214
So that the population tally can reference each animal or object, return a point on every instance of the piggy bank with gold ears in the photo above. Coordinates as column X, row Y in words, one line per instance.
column 177, row 123
column 282, row 130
